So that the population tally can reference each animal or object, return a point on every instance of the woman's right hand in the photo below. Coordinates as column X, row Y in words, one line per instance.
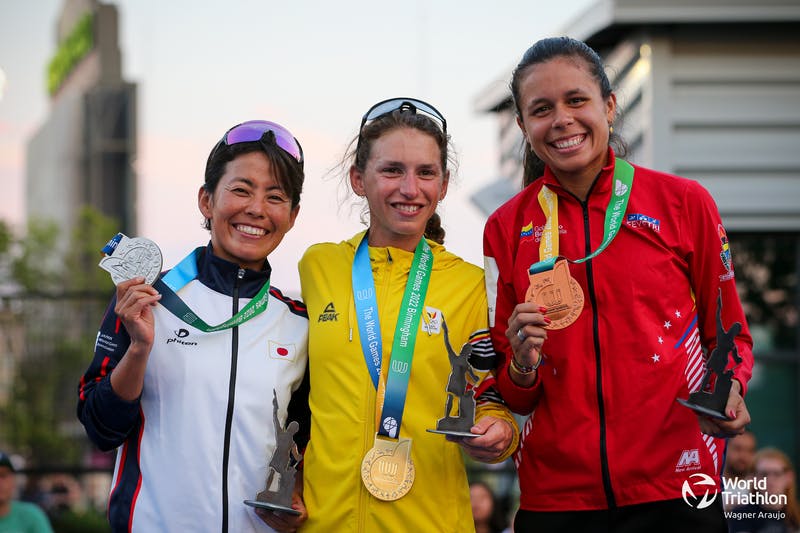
column 135, row 299
column 526, row 335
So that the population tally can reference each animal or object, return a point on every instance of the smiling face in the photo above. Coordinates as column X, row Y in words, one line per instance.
column 249, row 211
column 566, row 119
column 403, row 181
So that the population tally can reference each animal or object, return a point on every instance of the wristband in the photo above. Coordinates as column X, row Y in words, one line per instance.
column 524, row 370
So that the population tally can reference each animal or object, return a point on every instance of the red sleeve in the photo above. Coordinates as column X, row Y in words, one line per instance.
column 712, row 275
column 498, row 263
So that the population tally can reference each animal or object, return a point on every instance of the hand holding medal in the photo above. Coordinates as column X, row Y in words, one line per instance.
column 134, row 265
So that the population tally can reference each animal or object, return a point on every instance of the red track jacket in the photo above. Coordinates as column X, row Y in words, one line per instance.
column 606, row 429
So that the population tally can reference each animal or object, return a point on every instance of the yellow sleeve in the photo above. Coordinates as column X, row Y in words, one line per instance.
column 501, row 411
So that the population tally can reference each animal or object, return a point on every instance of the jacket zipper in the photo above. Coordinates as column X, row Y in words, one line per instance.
column 226, row 451
column 610, row 499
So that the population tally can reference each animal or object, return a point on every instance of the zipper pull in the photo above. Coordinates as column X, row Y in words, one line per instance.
column 240, row 274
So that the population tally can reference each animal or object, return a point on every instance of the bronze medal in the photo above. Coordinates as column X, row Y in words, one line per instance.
column 387, row 469
column 557, row 290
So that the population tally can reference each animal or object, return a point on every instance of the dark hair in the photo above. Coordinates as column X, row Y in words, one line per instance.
column 497, row 518
column 541, row 52
column 288, row 171
column 403, row 119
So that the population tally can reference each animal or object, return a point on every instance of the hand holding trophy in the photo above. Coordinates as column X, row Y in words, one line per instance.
column 708, row 400
column 283, row 465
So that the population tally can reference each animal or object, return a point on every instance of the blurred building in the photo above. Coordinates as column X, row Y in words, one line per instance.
column 709, row 90
column 83, row 153
column 81, row 156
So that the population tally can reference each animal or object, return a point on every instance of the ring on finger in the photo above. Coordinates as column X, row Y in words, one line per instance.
column 521, row 336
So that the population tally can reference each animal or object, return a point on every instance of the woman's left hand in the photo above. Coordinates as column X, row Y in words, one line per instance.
column 495, row 437
column 736, row 410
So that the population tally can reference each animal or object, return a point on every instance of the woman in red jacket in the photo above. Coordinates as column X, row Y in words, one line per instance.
column 605, row 281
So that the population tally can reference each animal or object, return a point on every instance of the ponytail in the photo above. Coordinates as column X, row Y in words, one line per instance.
column 434, row 230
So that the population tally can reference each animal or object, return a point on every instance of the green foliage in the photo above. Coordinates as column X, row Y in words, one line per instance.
column 42, row 398
column 35, row 265
column 60, row 306
column 78, row 43
column 6, row 242
column 92, row 231
column 6, row 237
column 80, row 522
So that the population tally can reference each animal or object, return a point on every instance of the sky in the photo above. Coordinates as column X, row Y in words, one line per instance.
column 313, row 66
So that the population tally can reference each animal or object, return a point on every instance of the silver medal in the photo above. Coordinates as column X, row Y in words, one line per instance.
column 133, row 257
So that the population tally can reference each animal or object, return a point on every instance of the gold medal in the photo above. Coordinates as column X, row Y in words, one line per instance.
column 557, row 290
column 387, row 469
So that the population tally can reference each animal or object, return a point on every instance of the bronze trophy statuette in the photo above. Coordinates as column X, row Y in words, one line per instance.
column 712, row 402
column 459, row 425
column 277, row 493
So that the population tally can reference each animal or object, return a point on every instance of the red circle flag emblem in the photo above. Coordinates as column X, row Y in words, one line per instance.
column 278, row 350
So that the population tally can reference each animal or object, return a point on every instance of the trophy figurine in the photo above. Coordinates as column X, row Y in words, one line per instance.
column 712, row 402
column 459, row 425
column 281, row 465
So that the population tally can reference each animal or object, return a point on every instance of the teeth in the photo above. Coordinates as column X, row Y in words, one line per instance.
column 569, row 143
column 250, row 230
column 407, row 208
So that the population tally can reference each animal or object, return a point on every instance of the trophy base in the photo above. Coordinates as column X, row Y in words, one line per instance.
column 271, row 507
column 703, row 410
column 454, row 433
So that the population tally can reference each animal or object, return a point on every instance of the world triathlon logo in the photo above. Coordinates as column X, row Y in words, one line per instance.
column 702, row 485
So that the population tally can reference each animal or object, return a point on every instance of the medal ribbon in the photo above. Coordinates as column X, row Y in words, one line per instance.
column 405, row 335
column 186, row 271
column 548, row 200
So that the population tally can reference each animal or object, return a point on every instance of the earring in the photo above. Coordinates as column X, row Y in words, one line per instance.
column 610, row 128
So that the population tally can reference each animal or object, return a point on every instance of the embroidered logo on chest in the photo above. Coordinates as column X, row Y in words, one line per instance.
column 285, row 352
column 180, row 335
column 432, row 321
column 329, row 314
column 637, row 220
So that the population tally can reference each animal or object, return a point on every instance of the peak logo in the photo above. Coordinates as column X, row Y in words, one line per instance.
column 691, row 490
column 329, row 314
column 181, row 334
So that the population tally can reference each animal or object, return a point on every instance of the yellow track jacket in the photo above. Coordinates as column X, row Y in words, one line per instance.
column 342, row 397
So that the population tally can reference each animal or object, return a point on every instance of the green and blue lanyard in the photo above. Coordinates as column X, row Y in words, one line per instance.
column 405, row 333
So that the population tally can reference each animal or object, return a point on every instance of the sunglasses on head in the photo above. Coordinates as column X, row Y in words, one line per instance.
column 403, row 104
column 258, row 130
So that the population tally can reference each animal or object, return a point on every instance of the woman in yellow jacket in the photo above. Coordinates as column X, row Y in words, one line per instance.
column 386, row 308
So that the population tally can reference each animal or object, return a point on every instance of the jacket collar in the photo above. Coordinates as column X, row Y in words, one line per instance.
column 220, row 275
column 601, row 184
